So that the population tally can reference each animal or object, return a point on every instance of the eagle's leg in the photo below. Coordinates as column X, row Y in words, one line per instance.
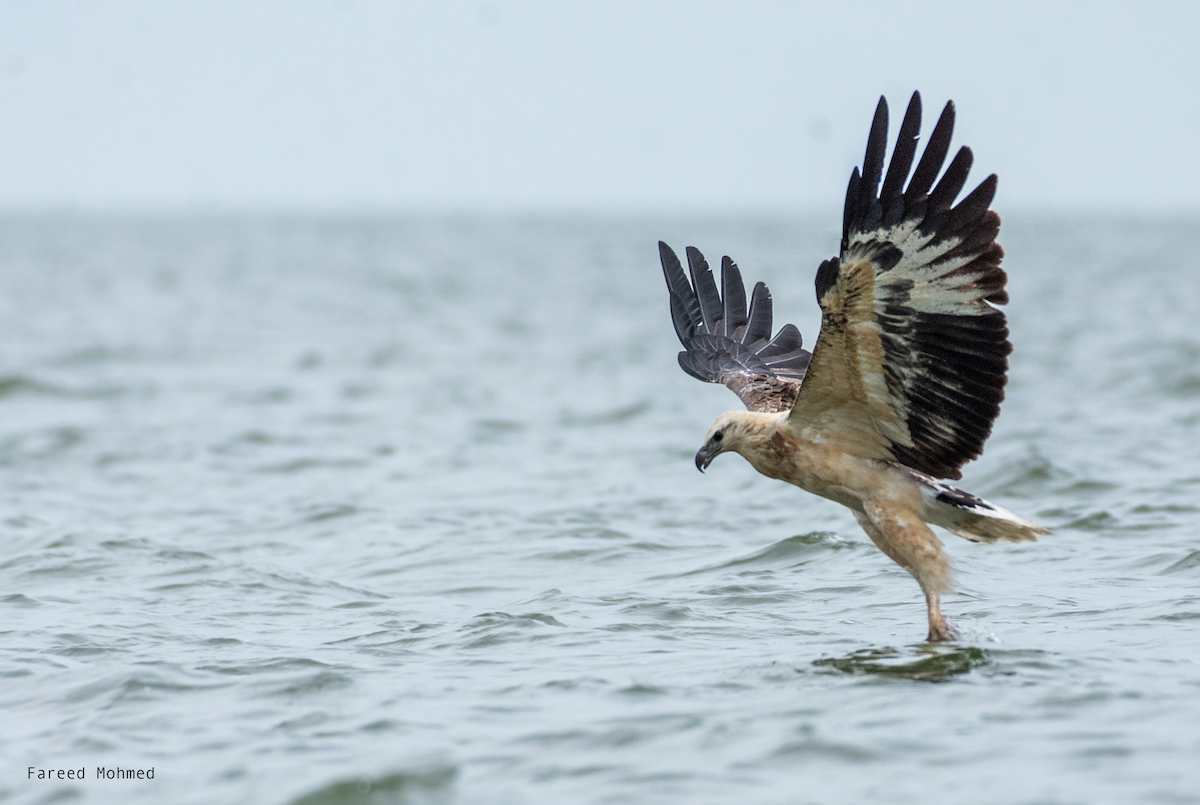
column 910, row 543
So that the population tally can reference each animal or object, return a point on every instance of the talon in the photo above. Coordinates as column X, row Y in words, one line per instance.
column 942, row 633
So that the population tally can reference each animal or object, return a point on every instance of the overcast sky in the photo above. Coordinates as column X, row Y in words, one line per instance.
column 614, row 105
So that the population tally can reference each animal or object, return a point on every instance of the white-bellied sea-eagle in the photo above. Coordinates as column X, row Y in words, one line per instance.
column 909, row 369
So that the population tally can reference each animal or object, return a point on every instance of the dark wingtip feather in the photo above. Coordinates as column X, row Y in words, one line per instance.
column 758, row 326
column 673, row 270
column 876, row 147
column 688, row 365
column 935, row 154
column 952, row 181
column 666, row 256
column 973, row 207
column 850, row 212
column 734, row 292
column 788, row 339
column 706, row 288
column 685, row 309
column 826, row 276
column 685, row 328
column 902, row 154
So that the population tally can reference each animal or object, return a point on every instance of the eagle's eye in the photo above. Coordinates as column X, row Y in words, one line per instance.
column 718, row 436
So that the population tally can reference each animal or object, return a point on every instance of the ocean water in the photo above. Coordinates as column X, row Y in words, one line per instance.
column 403, row 510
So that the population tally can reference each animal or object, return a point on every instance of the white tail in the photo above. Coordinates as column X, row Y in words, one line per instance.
column 972, row 517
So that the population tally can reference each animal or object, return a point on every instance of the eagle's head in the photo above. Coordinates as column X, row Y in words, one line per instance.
column 737, row 432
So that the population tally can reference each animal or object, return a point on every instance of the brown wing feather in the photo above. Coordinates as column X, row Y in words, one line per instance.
column 834, row 403
column 911, row 359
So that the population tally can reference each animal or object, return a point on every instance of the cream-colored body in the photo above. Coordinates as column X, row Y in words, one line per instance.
column 890, row 501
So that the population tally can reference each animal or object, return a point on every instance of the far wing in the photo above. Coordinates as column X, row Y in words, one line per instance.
column 910, row 363
column 726, row 344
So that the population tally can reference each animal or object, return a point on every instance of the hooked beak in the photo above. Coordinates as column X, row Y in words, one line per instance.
column 705, row 456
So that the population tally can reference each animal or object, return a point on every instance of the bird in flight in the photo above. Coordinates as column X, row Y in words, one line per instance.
column 909, row 369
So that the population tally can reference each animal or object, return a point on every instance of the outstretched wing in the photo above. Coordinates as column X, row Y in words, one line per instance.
column 911, row 360
column 726, row 344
